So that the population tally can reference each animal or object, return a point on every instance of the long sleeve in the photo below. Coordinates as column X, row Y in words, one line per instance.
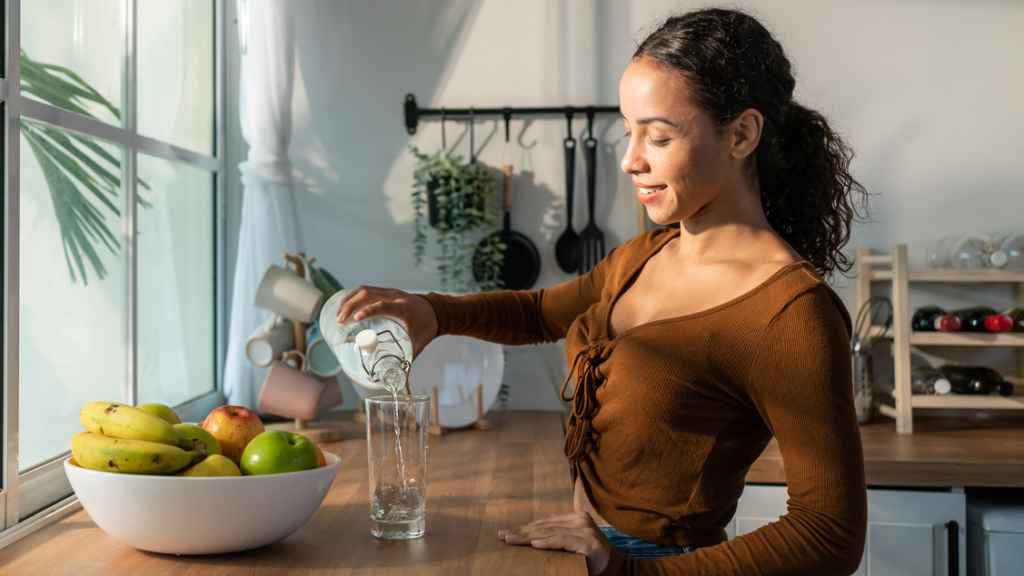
column 800, row 384
column 520, row 316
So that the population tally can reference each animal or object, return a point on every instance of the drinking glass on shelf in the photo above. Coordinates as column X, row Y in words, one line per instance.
column 971, row 253
column 939, row 253
column 1008, row 252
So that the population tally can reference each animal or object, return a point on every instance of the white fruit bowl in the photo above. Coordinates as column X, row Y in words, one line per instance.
column 184, row 515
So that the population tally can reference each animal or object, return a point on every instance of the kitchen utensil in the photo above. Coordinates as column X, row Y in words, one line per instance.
column 567, row 247
column 520, row 265
column 460, row 368
column 591, row 237
column 197, row 515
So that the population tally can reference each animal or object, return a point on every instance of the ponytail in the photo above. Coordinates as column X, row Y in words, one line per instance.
column 807, row 192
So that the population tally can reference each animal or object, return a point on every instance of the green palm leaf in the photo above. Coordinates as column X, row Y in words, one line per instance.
column 84, row 179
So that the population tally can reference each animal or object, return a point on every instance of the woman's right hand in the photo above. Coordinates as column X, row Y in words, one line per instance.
column 412, row 309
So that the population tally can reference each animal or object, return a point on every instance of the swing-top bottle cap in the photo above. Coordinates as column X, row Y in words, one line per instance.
column 366, row 340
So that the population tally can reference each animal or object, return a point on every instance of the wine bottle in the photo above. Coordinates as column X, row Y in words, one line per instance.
column 1016, row 316
column 973, row 319
column 926, row 319
column 976, row 380
column 928, row 381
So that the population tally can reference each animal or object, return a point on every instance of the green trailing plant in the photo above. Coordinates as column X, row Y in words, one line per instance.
column 83, row 178
column 454, row 195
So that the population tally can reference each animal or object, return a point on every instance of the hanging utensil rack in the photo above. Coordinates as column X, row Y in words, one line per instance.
column 413, row 112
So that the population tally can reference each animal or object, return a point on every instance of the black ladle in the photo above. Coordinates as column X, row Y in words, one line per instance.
column 567, row 247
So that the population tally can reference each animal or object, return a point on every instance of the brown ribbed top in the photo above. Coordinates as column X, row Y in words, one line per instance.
column 668, row 416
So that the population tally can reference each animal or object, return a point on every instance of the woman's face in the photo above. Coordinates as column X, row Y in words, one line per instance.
column 678, row 161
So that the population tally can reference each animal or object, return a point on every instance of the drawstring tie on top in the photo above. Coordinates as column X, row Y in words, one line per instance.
column 580, row 434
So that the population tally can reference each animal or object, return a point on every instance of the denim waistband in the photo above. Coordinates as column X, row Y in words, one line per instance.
column 638, row 548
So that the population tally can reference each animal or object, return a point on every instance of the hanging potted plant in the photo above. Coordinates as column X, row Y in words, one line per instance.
column 450, row 196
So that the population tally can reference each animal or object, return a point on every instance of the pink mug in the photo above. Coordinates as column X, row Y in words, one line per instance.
column 291, row 391
column 332, row 393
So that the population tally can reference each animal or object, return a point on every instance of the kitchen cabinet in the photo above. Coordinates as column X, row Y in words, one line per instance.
column 910, row 532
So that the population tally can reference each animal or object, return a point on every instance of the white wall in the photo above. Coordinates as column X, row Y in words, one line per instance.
column 927, row 92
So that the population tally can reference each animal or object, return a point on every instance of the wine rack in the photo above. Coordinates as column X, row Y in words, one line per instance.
column 892, row 268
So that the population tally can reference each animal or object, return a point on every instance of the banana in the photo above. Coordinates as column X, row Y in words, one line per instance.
column 99, row 452
column 162, row 411
column 122, row 421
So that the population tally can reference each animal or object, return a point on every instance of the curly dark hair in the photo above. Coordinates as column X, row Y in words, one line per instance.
column 801, row 164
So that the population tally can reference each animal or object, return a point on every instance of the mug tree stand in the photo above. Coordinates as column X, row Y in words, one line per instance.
column 316, row 430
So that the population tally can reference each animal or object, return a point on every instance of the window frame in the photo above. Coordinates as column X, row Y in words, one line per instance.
column 41, row 495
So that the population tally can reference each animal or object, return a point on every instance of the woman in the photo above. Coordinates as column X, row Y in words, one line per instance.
column 691, row 347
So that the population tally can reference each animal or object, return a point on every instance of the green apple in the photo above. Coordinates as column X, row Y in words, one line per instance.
column 215, row 465
column 196, row 432
column 160, row 411
column 277, row 451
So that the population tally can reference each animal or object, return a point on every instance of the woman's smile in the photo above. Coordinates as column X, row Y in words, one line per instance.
column 649, row 194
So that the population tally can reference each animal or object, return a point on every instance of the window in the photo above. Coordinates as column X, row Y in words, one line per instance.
column 113, row 235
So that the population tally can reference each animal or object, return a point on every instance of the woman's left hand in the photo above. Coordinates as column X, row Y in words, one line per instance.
column 574, row 532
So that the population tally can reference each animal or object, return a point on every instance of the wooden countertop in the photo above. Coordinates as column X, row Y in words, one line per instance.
column 478, row 482
column 941, row 453
column 507, row 476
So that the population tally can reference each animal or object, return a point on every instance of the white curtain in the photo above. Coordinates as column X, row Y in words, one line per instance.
column 269, row 223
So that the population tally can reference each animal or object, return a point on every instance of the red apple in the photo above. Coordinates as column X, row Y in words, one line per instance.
column 233, row 427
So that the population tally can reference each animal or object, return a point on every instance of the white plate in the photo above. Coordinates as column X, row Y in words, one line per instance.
column 456, row 365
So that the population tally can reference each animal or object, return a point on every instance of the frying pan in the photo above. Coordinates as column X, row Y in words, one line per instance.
column 520, row 264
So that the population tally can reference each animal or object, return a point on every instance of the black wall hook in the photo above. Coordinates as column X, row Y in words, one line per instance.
column 444, row 137
column 507, row 115
column 590, row 123
column 472, row 140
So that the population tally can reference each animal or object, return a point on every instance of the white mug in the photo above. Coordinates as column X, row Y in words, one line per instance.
column 273, row 338
column 284, row 293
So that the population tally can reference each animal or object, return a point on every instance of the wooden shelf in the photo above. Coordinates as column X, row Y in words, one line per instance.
column 967, row 276
column 961, row 276
column 965, row 402
column 1011, row 339
column 892, row 267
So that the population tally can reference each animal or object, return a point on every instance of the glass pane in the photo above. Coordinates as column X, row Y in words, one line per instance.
column 72, row 285
column 176, row 72
column 72, row 55
column 176, row 282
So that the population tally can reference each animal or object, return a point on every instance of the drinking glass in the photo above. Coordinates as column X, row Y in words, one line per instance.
column 396, row 449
